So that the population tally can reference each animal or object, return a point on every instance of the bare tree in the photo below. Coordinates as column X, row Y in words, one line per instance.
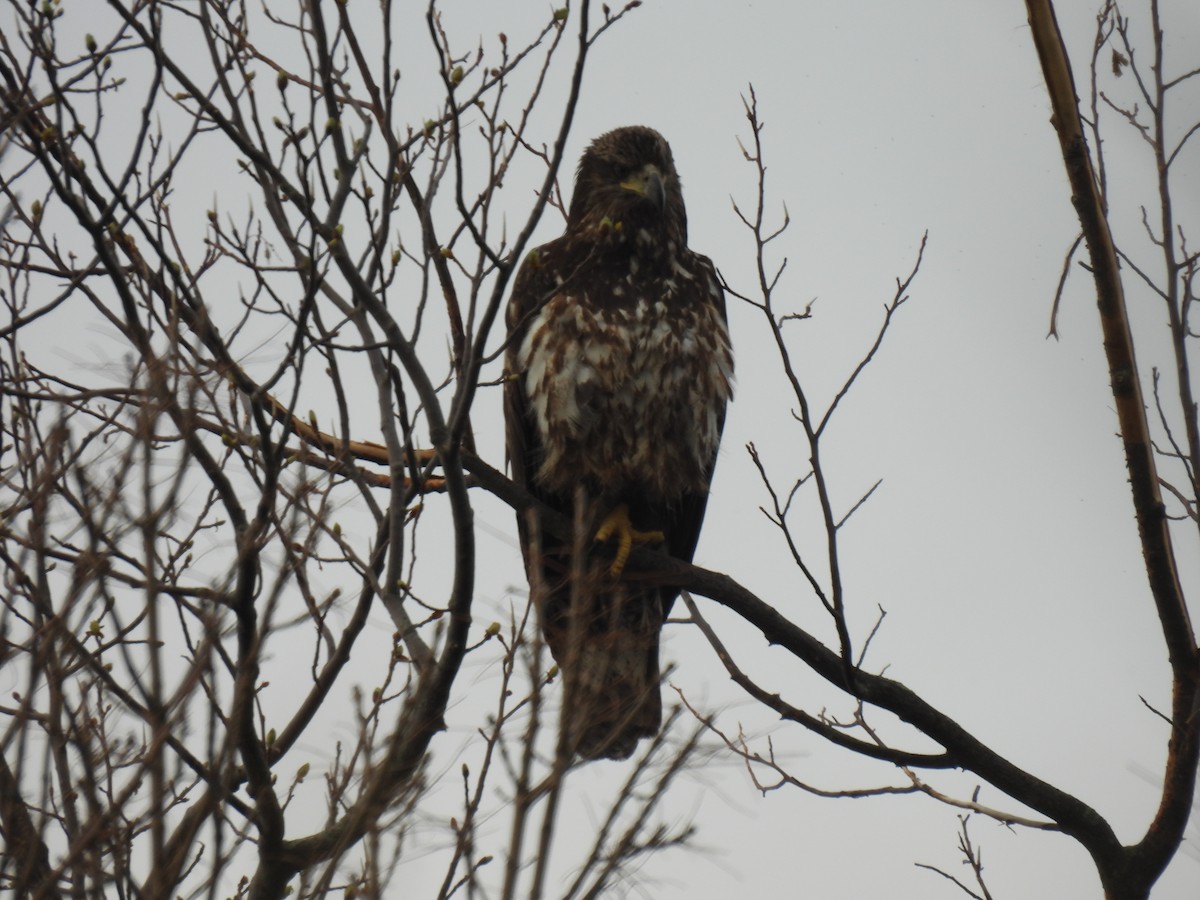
column 270, row 436
column 191, row 555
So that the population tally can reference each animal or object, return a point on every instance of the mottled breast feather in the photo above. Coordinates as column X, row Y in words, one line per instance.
column 631, row 391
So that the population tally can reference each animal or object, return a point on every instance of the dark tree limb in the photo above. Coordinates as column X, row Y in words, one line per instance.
column 1072, row 815
column 32, row 875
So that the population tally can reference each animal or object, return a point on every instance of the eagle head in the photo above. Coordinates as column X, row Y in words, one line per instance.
column 626, row 185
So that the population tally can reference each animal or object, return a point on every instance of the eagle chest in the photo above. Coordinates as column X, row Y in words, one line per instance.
column 627, row 394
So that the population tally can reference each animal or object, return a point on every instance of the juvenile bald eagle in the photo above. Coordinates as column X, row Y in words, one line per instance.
column 620, row 369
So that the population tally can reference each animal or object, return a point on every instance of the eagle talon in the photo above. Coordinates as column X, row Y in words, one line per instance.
column 617, row 525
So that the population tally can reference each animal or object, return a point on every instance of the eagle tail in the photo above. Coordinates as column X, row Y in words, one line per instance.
column 608, row 654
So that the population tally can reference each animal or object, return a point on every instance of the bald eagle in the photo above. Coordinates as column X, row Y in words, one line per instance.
column 619, row 372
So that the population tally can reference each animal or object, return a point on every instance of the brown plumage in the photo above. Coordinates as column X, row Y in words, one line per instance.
column 620, row 369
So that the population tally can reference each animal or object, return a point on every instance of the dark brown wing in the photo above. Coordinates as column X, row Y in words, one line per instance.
column 683, row 519
column 534, row 285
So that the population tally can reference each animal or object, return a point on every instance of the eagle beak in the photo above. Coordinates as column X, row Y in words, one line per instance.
column 648, row 182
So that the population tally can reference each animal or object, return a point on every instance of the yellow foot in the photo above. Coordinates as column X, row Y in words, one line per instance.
column 617, row 526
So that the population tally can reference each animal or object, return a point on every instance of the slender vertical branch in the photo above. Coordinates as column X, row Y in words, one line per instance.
column 1150, row 855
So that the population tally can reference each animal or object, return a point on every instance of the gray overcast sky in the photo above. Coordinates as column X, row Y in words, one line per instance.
column 1001, row 542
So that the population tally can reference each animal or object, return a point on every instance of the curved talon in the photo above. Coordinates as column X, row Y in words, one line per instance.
column 617, row 525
